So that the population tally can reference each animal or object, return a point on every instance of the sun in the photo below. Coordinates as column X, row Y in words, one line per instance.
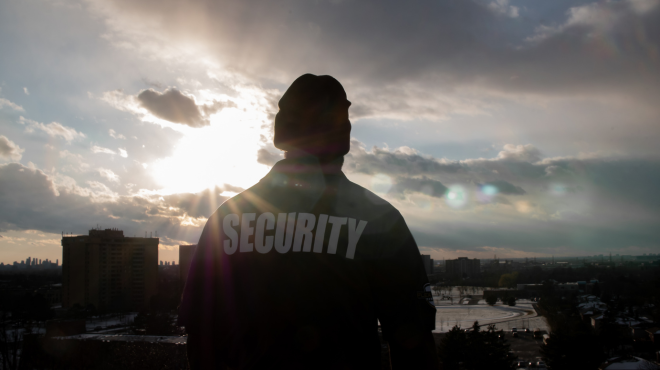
column 225, row 152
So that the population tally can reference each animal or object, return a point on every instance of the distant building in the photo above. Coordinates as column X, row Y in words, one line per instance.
column 108, row 270
column 185, row 257
column 463, row 267
column 428, row 263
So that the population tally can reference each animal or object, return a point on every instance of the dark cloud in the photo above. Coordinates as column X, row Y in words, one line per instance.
column 420, row 185
column 540, row 236
column 402, row 161
column 9, row 149
column 596, row 48
column 174, row 106
column 504, row 187
column 608, row 185
column 30, row 200
column 631, row 180
column 514, row 161
column 622, row 209
column 435, row 61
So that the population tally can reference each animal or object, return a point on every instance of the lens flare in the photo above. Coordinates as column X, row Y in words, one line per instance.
column 557, row 189
column 456, row 196
column 486, row 193
column 381, row 184
column 523, row 206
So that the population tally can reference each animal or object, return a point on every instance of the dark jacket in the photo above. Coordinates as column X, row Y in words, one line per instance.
column 296, row 272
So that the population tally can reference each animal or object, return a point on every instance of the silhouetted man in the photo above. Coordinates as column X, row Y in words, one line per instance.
column 296, row 272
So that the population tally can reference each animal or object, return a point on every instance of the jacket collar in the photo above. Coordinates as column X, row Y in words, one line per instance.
column 304, row 173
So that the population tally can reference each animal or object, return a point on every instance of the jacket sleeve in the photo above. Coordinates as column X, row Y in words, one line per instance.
column 402, row 292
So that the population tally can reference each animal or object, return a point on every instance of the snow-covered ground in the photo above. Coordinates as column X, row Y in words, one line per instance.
column 109, row 321
column 467, row 306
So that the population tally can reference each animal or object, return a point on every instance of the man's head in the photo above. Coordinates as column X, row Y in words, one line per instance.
column 313, row 118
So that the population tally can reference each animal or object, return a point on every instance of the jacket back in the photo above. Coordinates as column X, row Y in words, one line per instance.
column 298, row 270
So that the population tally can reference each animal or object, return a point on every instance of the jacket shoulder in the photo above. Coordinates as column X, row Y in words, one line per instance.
column 362, row 201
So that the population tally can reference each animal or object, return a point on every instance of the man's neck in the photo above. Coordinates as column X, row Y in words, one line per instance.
column 329, row 164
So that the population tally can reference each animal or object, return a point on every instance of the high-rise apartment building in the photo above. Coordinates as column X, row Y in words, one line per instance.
column 109, row 271
column 463, row 267
column 185, row 257
column 428, row 263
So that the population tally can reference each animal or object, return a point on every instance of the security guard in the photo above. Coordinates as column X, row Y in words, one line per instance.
column 297, row 271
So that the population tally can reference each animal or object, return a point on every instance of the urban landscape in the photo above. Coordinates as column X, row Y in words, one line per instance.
column 112, row 304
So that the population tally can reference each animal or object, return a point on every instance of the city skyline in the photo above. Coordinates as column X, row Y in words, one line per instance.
column 501, row 127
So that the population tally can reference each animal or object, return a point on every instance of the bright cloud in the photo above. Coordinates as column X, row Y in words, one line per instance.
column 53, row 129
column 108, row 174
column 7, row 103
column 9, row 149
column 98, row 149
column 115, row 135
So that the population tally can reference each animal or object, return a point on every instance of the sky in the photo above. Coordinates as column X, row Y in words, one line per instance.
column 515, row 128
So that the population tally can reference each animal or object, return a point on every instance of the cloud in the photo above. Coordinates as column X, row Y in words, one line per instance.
column 460, row 49
column 523, row 153
column 503, row 7
column 73, row 162
column 422, row 185
column 115, row 135
column 400, row 161
column 98, row 149
column 268, row 158
column 173, row 106
column 25, row 90
column 414, row 172
column 9, row 149
column 53, row 129
column 614, row 202
column 108, row 174
column 202, row 204
column 217, row 106
column 593, row 189
column 123, row 152
column 7, row 103
column 31, row 199
column 538, row 236
column 504, row 187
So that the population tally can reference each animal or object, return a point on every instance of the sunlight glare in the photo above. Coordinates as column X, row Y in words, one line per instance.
column 223, row 153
